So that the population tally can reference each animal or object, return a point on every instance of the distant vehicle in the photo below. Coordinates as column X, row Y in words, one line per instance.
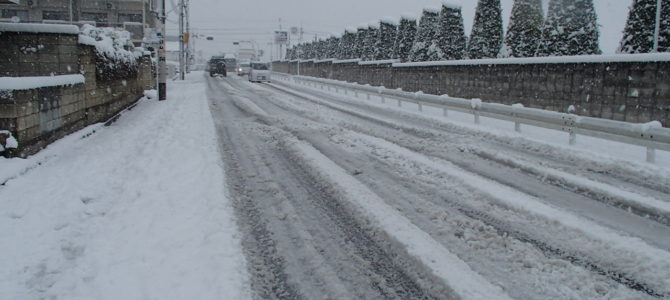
column 231, row 62
column 243, row 68
column 260, row 72
column 217, row 66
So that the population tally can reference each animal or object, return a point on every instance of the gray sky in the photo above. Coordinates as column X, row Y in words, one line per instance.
column 231, row 20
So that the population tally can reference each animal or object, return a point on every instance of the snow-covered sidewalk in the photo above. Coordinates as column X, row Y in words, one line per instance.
column 137, row 210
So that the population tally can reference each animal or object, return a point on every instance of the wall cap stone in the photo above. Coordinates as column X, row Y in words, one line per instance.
column 613, row 58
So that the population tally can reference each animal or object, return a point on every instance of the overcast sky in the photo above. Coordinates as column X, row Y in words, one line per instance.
column 232, row 20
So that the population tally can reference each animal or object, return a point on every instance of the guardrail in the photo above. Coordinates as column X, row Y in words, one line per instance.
column 648, row 135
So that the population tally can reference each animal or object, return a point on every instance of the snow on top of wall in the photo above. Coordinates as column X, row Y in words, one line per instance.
column 432, row 10
column 377, row 62
column 647, row 57
column 451, row 4
column 34, row 82
column 374, row 25
column 39, row 28
column 362, row 26
column 324, row 60
column 389, row 20
column 346, row 61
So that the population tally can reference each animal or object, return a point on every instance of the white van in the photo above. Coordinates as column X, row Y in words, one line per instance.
column 260, row 72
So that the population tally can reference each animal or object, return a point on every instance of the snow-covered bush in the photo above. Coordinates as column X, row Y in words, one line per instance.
column 114, row 55
column 524, row 32
column 405, row 38
column 487, row 34
column 361, row 35
column 570, row 29
column 388, row 30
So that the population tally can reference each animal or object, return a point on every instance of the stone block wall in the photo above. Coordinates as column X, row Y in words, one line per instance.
column 37, row 117
column 632, row 91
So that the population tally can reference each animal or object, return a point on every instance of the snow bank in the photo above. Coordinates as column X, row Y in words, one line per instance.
column 39, row 28
column 389, row 20
column 35, row 82
column 647, row 57
column 115, row 58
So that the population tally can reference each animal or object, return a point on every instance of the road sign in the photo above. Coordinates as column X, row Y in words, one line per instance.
column 281, row 37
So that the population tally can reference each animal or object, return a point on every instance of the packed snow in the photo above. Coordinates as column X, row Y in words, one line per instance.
column 136, row 210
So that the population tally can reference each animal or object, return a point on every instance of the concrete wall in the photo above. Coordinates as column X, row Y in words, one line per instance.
column 40, row 116
column 625, row 91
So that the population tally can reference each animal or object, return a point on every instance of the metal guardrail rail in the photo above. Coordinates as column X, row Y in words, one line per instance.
column 646, row 135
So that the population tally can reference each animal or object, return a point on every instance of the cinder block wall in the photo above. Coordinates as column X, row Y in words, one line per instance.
column 40, row 116
column 624, row 91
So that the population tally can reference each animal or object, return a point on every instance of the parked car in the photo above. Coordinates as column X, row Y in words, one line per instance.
column 217, row 67
column 260, row 72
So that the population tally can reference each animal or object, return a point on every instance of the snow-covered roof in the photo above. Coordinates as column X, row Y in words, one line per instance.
column 647, row 57
column 35, row 82
column 451, row 4
column 39, row 28
column 229, row 56
column 389, row 20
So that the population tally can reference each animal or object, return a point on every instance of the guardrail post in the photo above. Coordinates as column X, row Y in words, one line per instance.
column 399, row 103
column 517, row 126
column 346, row 91
column 651, row 155
column 420, row 106
column 476, row 113
column 355, row 93
column 573, row 137
column 367, row 95
column 383, row 98
column 322, row 86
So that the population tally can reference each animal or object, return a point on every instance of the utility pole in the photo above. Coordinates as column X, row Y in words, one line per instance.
column 657, row 29
column 162, row 66
column 181, row 41
column 188, row 35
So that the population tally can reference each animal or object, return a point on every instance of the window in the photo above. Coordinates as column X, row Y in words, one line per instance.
column 99, row 18
column 10, row 13
column 55, row 15
column 137, row 18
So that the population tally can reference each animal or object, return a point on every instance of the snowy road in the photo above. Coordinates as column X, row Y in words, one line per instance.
column 342, row 198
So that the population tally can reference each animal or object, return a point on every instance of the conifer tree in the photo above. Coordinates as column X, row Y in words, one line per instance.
column 640, row 30
column 524, row 32
column 425, row 35
column 405, row 38
column 388, row 30
column 664, row 34
column 347, row 44
column 361, row 34
column 570, row 29
column 487, row 34
column 370, row 42
column 450, row 41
